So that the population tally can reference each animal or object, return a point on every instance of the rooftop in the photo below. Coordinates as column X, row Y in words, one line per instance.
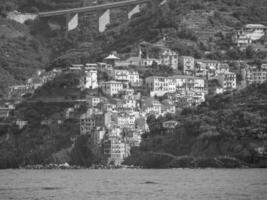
column 255, row 26
column 112, row 57
column 184, row 77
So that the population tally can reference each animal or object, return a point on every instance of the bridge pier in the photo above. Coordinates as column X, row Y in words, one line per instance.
column 104, row 20
column 135, row 10
column 72, row 21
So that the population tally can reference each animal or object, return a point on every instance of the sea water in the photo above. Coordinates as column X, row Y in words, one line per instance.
column 134, row 184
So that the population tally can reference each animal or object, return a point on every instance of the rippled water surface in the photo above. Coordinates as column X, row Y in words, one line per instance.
column 184, row 184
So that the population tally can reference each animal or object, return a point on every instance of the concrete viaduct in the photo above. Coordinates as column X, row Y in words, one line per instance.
column 103, row 11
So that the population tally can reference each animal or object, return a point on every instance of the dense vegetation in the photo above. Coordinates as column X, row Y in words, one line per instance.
column 231, row 124
column 20, row 54
column 48, row 137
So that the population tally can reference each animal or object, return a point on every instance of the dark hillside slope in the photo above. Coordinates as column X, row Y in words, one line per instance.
column 20, row 54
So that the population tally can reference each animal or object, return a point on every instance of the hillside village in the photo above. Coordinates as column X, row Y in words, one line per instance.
column 118, row 104
column 109, row 104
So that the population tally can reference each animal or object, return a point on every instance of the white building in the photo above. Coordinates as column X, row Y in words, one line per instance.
column 87, row 124
column 255, row 31
column 227, row 81
column 93, row 101
column 120, row 74
column 210, row 68
column 146, row 62
column 249, row 34
column 116, row 150
column 151, row 106
column 133, row 77
column 124, row 120
column 254, row 76
column 183, row 82
column 159, row 85
column 89, row 80
column 187, row 65
column 126, row 75
column 169, row 58
column 112, row 87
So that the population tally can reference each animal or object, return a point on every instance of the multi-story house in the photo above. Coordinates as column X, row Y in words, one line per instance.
column 120, row 74
column 159, row 85
column 146, row 62
column 183, row 99
column 227, row 81
column 90, row 120
column 112, row 87
column 249, row 34
column 89, row 79
column 210, row 68
column 130, row 76
column 87, row 124
column 133, row 78
column 93, row 101
column 255, row 31
column 187, row 65
column 124, row 120
column 254, row 76
column 242, row 40
column 127, row 103
column 151, row 106
column 169, row 58
column 116, row 150
column 183, row 82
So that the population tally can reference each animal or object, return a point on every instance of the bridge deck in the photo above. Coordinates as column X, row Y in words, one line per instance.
column 92, row 8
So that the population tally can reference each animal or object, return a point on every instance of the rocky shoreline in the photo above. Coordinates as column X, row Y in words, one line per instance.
column 67, row 166
column 155, row 161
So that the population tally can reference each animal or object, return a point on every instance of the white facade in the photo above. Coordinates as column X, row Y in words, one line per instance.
column 87, row 124
column 255, row 76
column 93, row 101
column 133, row 77
column 112, row 87
column 126, row 75
column 116, row 150
column 151, row 106
column 227, row 81
column 145, row 62
column 124, row 120
column 120, row 74
column 187, row 64
column 89, row 80
column 188, row 83
column 255, row 31
column 169, row 58
column 249, row 34
column 158, row 85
